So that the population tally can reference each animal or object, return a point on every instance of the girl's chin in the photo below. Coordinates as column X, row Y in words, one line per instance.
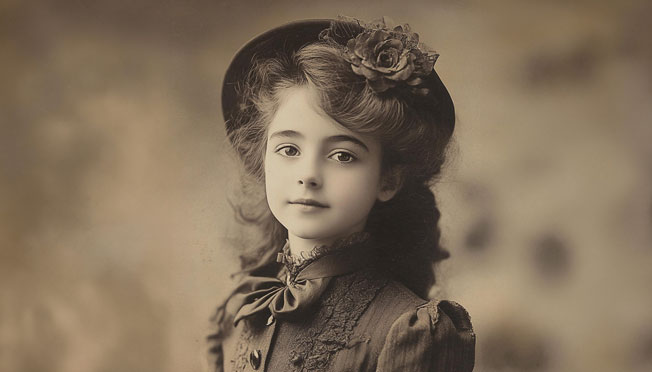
column 310, row 235
column 316, row 233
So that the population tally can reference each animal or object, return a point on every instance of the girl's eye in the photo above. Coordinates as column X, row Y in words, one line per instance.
column 288, row 151
column 343, row 157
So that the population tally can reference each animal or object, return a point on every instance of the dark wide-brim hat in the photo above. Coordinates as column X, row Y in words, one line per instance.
column 291, row 37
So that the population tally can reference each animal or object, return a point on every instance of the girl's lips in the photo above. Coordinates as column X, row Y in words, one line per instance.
column 310, row 202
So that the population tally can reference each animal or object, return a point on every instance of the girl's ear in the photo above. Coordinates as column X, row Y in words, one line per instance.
column 390, row 183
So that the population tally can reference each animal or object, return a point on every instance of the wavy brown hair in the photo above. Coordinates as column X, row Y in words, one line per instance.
column 414, row 135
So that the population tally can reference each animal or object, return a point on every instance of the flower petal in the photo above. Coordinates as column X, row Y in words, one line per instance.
column 376, row 37
column 355, row 60
column 387, row 59
column 389, row 43
column 403, row 74
column 350, row 45
column 367, row 73
column 402, row 62
column 360, row 47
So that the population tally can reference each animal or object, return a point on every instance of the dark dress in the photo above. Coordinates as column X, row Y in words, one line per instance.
column 357, row 321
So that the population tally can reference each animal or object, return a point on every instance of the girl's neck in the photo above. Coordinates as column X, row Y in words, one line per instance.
column 301, row 248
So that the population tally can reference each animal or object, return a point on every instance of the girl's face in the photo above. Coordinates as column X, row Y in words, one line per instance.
column 321, row 179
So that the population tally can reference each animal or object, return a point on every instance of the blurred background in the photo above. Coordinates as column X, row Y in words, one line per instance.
column 117, row 240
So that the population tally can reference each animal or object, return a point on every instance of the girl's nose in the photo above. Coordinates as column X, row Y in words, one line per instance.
column 310, row 175
column 310, row 182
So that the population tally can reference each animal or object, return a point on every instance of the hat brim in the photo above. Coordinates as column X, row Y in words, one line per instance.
column 287, row 39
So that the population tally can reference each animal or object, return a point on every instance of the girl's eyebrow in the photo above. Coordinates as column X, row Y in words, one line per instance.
column 345, row 138
column 286, row 134
column 336, row 138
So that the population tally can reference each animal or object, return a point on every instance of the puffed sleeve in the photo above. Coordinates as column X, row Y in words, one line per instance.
column 436, row 337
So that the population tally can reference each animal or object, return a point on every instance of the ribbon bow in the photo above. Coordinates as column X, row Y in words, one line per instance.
column 257, row 294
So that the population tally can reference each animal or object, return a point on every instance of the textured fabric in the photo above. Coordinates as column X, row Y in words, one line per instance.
column 436, row 336
column 362, row 322
column 338, row 314
column 259, row 294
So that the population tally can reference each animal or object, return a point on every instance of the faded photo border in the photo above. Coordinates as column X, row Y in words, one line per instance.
column 117, row 240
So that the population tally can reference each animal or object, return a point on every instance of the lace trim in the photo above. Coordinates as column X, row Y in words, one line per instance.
column 333, row 325
column 239, row 363
column 294, row 264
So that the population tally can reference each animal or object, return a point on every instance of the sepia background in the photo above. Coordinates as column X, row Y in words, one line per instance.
column 117, row 240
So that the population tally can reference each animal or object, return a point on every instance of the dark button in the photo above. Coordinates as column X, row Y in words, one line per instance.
column 254, row 359
column 296, row 359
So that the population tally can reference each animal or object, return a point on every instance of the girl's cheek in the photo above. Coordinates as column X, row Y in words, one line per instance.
column 351, row 188
column 269, row 165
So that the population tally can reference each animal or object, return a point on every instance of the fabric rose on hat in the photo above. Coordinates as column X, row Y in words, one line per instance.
column 389, row 57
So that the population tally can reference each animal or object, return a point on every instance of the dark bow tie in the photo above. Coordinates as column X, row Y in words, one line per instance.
column 259, row 294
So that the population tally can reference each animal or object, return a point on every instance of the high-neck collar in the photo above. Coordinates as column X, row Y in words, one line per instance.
column 355, row 243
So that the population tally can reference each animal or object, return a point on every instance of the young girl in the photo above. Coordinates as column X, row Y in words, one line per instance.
column 344, row 125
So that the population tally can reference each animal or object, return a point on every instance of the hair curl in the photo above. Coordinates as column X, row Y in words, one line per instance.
column 413, row 136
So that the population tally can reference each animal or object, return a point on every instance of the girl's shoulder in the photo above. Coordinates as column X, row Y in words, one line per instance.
column 396, row 301
column 434, row 335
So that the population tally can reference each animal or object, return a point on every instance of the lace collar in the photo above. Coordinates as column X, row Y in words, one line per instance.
column 294, row 265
